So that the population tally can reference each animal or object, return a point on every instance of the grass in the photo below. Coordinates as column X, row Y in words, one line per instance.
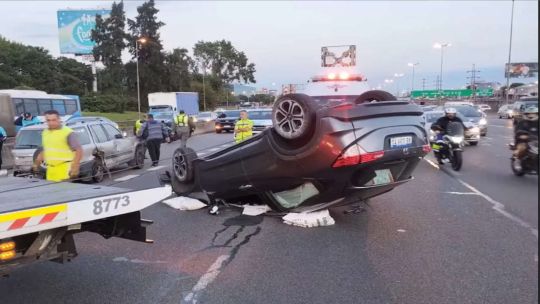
column 117, row 117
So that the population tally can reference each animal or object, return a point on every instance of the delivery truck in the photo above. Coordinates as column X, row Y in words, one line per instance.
column 174, row 101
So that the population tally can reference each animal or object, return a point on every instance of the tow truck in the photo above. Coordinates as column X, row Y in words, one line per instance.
column 39, row 218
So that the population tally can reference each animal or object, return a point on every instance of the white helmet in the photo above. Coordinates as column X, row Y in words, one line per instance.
column 450, row 111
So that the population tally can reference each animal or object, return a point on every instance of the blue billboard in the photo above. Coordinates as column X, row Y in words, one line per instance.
column 75, row 30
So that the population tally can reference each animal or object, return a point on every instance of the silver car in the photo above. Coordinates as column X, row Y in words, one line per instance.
column 472, row 131
column 94, row 136
column 262, row 119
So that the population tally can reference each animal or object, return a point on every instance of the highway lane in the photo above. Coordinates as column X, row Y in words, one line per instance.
column 432, row 240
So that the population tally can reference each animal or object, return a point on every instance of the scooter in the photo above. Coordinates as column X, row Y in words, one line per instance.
column 528, row 163
column 450, row 147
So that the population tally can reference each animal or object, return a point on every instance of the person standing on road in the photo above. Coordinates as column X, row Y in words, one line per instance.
column 153, row 132
column 182, row 127
column 138, row 125
column 61, row 150
column 3, row 137
column 30, row 120
column 243, row 129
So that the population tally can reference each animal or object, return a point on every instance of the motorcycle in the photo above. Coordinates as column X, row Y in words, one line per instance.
column 450, row 146
column 528, row 162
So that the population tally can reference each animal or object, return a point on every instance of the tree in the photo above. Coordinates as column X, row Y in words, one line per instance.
column 224, row 61
column 178, row 65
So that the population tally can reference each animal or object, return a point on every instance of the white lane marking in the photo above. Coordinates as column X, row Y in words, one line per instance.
column 433, row 164
column 207, row 278
column 497, row 126
column 125, row 178
column 401, row 230
column 137, row 261
column 499, row 207
column 461, row 193
column 156, row 168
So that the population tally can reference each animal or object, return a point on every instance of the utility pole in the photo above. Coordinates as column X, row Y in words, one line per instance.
column 473, row 78
column 509, row 54
column 423, row 84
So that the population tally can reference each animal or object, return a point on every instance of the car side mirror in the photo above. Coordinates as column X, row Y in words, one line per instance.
column 118, row 136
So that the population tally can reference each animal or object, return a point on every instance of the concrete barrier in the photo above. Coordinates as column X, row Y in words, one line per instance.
column 7, row 157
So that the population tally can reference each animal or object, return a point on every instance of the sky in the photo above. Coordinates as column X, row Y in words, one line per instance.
column 283, row 38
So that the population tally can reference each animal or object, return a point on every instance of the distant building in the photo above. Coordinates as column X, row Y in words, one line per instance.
column 241, row 89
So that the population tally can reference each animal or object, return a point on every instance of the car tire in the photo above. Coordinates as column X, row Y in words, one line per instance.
column 374, row 96
column 473, row 143
column 219, row 131
column 182, row 176
column 98, row 171
column 138, row 159
column 293, row 117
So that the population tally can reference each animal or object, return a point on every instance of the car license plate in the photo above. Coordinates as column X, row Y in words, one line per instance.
column 227, row 126
column 383, row 177
column 402, row 141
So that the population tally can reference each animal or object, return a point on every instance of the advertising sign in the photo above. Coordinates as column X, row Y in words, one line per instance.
column 75, row 29
column 452, row 93
column 521, row 69
column 338, row 56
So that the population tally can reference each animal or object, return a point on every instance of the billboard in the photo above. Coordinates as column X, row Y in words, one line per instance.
column 338, row 56
column 75, row 29
column 521, row 69
column 452, row 93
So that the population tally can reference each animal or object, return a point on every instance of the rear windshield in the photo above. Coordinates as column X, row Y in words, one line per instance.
column 230, row 114
column 160, row 108
column 205, row 114
column 432, row 117
column 468, row 111
column 162, row 115
column 260, row 114
column 28, row 139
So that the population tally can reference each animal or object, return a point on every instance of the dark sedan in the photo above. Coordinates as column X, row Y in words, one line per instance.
column 226, row 121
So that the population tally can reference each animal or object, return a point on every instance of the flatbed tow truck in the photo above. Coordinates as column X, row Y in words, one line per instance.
column 39, row 218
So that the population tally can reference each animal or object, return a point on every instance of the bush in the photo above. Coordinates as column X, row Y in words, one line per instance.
column 104, row 103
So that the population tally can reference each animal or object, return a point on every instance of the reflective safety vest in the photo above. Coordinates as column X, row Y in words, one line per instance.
column 181, row 120
column 56, row 149
column 138, row 125
column 243, row 135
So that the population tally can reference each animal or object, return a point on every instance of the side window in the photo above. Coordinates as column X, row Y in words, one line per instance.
column 71, row 106
column 111, row 131
column 30, row 105
column 82, row 135
column 19, row 106
column 99, row 133
column 44, row 105
column 59, row 106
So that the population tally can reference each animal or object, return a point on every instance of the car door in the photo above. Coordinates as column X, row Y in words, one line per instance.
column 123, row 146
column 104, row 144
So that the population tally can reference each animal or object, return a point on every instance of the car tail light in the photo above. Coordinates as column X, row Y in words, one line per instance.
column 343, row 75
column 332, row 76
column 426, row 148
column 352, row 156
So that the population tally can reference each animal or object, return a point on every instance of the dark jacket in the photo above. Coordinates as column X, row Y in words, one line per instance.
column 442, row 123
column 156, row 130
column 527, row 127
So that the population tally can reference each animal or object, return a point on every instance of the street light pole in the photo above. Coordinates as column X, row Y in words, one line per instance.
column 509, row 54
column 204, row 87
column 141, row 40
column 413, row 65
column 441, row 46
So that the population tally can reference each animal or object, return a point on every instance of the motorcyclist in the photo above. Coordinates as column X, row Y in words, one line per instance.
column 524, row 129
column 441, row 128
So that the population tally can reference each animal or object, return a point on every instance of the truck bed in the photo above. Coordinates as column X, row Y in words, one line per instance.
column 30, row 205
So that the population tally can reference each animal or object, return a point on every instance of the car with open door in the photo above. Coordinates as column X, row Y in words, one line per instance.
column 335, row 143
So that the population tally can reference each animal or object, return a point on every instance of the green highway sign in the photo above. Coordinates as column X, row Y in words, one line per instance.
column 451, row 93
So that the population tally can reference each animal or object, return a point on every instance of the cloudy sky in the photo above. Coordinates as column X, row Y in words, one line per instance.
column 283, row 38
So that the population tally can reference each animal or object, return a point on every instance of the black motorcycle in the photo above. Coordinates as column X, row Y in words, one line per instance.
column 450, row 147
column 528, row 162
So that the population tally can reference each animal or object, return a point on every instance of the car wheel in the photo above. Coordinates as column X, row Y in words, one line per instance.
column 138, row 159
column 98, row 171
column 473, row 143
column 374, row 96
column 293, row 117
column 182, row 180
column 219, row 131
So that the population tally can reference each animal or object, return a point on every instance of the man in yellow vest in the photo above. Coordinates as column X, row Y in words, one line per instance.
column 62, row 152
column 182, row 127
column 243, row 129
column 138, row 125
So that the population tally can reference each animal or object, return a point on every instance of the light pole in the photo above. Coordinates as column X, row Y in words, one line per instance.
column 441, row 46
column 142, row 41
column 412, row 65
column 398, row 75
column 204, row 86
column 509, row 53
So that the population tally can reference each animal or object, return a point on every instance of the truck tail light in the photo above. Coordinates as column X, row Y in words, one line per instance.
column 352, row 156
column 6, row 246
column 7, row 255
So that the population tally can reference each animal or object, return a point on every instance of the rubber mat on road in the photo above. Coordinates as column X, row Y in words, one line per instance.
column 310, row 219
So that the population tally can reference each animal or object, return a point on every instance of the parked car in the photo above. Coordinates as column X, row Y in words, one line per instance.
column 484, row 107
column 72, row 120
column 521, row 105
column 506, row 111
column 262, row 119
column 94, row 136
column 325, row 149
column 226, row 121
column 473, row 115
column 206, row 117
column 472, row 131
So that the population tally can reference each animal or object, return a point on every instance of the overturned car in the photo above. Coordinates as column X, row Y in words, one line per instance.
column 322, row 151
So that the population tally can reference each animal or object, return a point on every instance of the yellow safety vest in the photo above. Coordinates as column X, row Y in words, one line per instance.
column 243, row 135
column 57, row 153
column 138, row 126
column 182, row 120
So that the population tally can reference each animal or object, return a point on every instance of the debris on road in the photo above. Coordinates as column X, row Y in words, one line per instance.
column 308, row 220
column 255, row 210
column 184, row 203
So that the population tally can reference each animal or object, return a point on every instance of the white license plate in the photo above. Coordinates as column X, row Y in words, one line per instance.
column 227, row 127
column 402, row 141
column 383, row 177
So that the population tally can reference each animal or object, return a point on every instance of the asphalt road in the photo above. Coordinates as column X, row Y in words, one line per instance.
column 466, row 237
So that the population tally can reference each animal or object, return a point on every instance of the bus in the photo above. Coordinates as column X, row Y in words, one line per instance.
column 13, row 103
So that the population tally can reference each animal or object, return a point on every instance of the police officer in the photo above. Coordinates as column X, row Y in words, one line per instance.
column 30, row 120
column 138, row 125
column 243, row 129
column 61, row 150
column 153, row 132
column 182, row 127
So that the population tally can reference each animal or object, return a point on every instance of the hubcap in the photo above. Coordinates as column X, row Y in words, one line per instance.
column 289, row 117
column 180, row 166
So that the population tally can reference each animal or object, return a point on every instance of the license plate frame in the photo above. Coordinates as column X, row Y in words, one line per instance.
column 401, row 141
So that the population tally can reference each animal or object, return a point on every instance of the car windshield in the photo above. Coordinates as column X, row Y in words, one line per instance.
column 468, row 111
column 432, row 117
column 260, row 115
column 230, row 114
column 204, row 114
column 160, row 108
column 162, row 115
column 28, row 139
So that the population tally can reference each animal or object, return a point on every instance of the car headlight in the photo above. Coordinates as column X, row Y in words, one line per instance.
column 456, row 139
column 482, row 122
column 475, row 130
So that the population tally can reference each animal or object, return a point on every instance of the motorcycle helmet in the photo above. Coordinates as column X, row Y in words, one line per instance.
column 531, row 113
column 450, row 111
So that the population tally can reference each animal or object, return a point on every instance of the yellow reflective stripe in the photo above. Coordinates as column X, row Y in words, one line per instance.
column 32, row 212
